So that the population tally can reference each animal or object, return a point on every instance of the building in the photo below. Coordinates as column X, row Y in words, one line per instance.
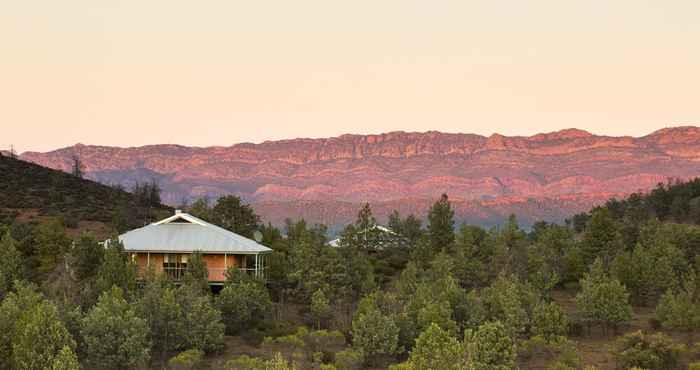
column 374, row 238
column 167, row 245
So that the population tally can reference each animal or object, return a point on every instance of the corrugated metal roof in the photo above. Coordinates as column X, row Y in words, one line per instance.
column 184, row 233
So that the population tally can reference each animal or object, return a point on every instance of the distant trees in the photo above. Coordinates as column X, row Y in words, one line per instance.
column 147, row 194
column 78, row 167
column 441, row 225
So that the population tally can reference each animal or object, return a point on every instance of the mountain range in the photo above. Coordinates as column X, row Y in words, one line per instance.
column 547, row 176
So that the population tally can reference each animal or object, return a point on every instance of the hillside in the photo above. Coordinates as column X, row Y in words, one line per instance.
column 29, row 191
column 545, row 176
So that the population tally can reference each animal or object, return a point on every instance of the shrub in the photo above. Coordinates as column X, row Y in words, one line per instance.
column 187, row 360
column 349, row 359
column 490, row 348
column 436, row 349
column 375, row 334
column 549, row 321
column 651, row 352
column 694, row 366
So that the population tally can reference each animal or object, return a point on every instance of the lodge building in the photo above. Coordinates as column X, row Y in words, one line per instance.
column 167, row 245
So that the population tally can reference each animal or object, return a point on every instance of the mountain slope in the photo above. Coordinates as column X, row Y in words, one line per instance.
column 545, row 176
column 28, row 189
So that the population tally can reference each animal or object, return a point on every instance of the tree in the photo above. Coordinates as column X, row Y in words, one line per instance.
column 86, row 256
column 33, row 335
column 320, row 308
column 646, row 272
column 196, row 273
column 10, row 264
column 163, row 315
column 549, row 321
column 490, row 347
column 603, row 300
column 200, row 208
column 679, row 309
column 50, row 243
column 234, row 215
column 441, row 225
column 204, row 329
column 18, row 302
column 40, row 338
column 115, row 337
column 375, row 335
column 116, row 269
column 651, row 352
column 602, row 237
column 436, row 349
column 244, row 303
column 66, row 360
column 78, row 167
column 508, row 301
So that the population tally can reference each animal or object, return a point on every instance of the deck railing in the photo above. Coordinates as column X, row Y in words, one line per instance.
column 215, row 273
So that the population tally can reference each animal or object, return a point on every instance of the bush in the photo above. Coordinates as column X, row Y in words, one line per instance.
column 549, row 321
column 694, row 366
column 651, row 352
column 187, row 360
column 349, row 360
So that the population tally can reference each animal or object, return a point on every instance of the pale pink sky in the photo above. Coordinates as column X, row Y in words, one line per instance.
column 218, row 72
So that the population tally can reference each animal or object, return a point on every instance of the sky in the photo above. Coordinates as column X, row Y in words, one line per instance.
column 220, row 72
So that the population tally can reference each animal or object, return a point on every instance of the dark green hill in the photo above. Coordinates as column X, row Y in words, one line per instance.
column 27, row 187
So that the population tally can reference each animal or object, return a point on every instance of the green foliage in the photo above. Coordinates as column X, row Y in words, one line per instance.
column 234, row 215
column 694, row 366
column 50, row 244
column 651, row 352
column 436, row 349
column 509, row 301
column 646, row 272
column 250, row 363
column 603, row 300
column 164, row 316
column 441, row 225
column 197, row 274
column 86, row 256
column 680, row 309
column 39, row 339
column 33, row 336
column 320, row 308
column 10, row 263
column 204, row 329
column 115, row 337
column 490, row 347
column 549, row 321
column 560, row 352
column 349, row 359
column 65, row 360
column 244, row 304
column 602, row 237
column 116, row 270
column 375, row 335
column 187, row 360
